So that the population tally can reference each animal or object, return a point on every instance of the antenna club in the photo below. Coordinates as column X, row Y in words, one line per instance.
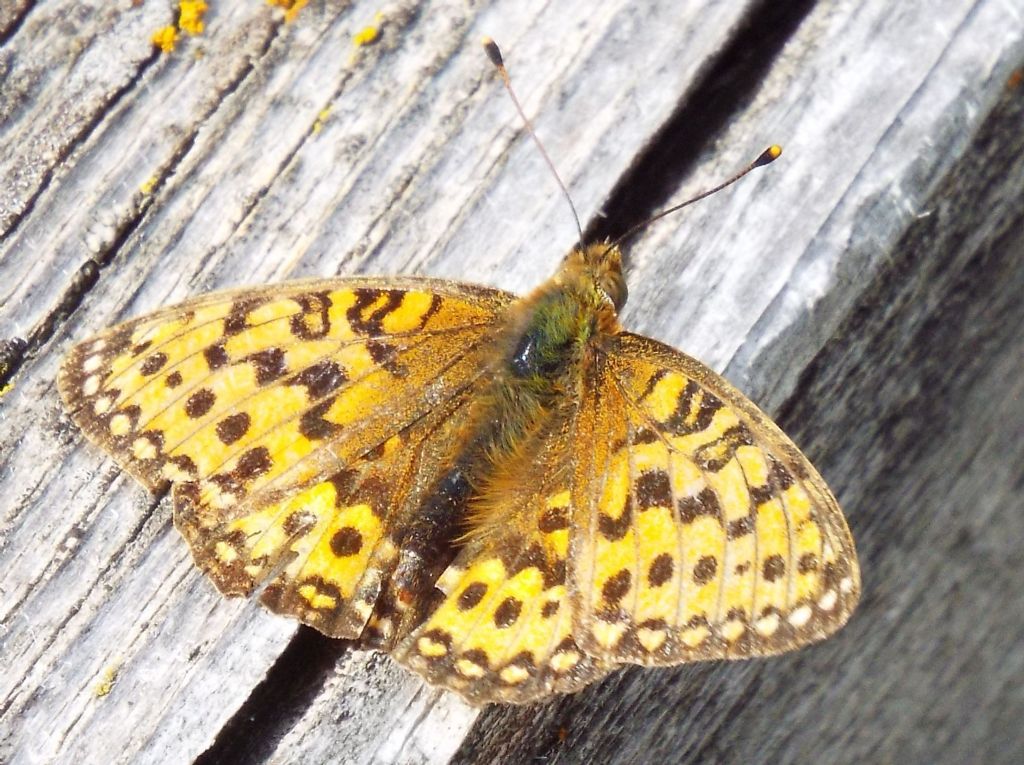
column 493, row 52
column 768, row 156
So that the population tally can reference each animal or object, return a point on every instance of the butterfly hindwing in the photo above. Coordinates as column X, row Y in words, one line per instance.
column 701, row 531
column 503, row 630
column 291, row 422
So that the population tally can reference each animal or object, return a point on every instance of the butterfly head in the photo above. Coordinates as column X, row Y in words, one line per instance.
column 600, row 266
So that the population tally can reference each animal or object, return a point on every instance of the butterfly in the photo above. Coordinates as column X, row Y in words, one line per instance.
column 511, row 496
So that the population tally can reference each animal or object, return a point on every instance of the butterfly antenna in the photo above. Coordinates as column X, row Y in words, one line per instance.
column 767, row 156
column 494, row 54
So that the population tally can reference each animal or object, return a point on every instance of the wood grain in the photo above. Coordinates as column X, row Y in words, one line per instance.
column 866, row 289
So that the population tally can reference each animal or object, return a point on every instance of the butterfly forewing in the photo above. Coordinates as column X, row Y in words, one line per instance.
column 293, row 422
column 701, row 531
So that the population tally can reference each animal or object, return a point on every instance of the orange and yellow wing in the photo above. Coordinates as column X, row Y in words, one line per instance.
column 295, row 423
column 700, row 530
column 503, row 630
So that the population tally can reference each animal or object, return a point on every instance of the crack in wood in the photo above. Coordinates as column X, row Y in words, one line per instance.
column 291, row 684
column 722, row 88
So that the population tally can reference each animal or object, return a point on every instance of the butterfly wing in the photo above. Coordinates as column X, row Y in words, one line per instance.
column 294, row 423
column 503, row 630
column 700, row 530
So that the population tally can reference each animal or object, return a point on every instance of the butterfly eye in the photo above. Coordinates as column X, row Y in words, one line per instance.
column 613, row 284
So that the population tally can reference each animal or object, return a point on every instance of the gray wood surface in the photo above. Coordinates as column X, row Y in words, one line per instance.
column 866, row 290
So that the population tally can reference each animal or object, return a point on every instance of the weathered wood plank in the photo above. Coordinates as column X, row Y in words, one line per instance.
column 239, row 174
column 810, row 295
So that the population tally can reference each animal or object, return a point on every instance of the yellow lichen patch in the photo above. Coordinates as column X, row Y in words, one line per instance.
column 106, row 682
column 165, row 38
column 149, row 184
column 291, row 7
column 190, row 16
column 190, row 21
column 321, row 119
column 368, row 34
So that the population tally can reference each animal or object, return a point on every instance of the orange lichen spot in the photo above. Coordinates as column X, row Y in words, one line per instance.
column 291, row 7
column 165, row 38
